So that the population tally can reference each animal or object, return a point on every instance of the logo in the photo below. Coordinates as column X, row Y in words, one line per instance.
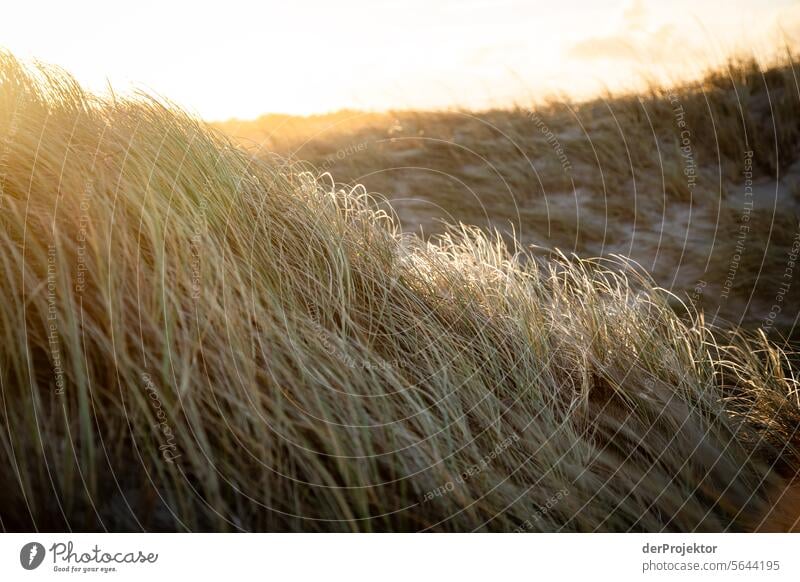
column 31, row 555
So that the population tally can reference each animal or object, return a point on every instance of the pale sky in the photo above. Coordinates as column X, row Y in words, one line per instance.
column 230, row 58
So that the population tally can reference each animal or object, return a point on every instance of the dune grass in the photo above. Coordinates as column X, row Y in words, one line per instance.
column 658, row 177
column 194, row 338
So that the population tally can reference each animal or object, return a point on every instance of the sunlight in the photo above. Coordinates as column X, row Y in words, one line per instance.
column 246, row 60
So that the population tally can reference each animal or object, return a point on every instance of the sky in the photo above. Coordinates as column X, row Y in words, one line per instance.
column 234, row 59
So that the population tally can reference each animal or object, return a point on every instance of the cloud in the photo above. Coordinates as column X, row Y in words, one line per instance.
column 666, row 44
column 635, row 40
column 636, row 16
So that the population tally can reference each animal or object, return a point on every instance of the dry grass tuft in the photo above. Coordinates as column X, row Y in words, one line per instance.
column 659, row 177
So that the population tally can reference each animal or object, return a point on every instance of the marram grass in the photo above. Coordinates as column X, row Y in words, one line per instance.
column 193, row 339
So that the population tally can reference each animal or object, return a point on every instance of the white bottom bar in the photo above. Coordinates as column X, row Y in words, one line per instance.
column 402, row 557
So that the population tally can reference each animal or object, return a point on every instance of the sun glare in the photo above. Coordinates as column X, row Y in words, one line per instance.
column 313, row 56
